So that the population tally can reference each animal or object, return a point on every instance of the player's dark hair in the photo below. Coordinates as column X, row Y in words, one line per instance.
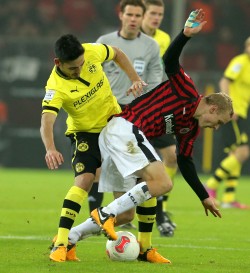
column 124, row 3
column 68, row 48
column 159, row 3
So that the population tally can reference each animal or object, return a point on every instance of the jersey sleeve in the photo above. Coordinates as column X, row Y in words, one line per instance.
column 52, row 102
column 188, row 171
column 184, row 145
column 183, row 84
column 103, row 52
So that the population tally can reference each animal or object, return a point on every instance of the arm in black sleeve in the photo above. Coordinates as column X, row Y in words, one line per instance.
column 188, row 171
column 171, row 56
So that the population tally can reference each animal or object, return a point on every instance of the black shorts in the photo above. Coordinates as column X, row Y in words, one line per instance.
column 85, row 152
column 163, row 141
column 235, row 134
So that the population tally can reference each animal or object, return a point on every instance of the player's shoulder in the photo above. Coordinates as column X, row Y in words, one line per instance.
column 90, row 46
column 162, row 34
column 240, row 57
column 93, row 49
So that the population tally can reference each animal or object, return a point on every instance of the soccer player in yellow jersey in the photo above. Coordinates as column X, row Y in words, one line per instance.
column 79, row 85
column 235, row 82
column 165, row 145
column 152, row 21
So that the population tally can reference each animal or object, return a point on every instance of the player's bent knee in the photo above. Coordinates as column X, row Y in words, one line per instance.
column 167, row 187
column 161, row 187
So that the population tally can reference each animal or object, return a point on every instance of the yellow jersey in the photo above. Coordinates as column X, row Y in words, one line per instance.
column 88, row 100
column 163, row 39
column 238, row 71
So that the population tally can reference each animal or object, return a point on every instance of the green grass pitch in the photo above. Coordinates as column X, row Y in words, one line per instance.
column 29, row 214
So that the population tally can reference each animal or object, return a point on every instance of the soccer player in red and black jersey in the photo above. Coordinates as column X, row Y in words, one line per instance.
column 173, row 107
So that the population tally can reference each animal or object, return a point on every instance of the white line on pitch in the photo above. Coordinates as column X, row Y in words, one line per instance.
column 42, row 238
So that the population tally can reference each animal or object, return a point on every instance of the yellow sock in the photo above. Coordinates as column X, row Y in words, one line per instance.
column 146, row 213
column 171, row 171
column 71, row 207
column 223, row 172
column 231, row 184
column 229, row 193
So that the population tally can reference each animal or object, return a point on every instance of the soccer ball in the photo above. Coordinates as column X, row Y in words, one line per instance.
column 125, row 248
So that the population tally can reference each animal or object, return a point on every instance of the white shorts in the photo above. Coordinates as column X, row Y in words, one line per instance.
column 124, row 150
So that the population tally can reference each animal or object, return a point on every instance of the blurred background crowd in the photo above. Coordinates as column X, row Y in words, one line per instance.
column 29, row 28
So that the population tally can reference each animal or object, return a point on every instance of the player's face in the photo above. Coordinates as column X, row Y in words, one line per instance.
column 72, row 69
column 131, row 20
column 153, row 16
column 212, row 119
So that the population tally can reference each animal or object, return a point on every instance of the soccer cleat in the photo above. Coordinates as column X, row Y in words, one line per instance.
column 152, row 256
column 127, row 226
column 71, row 251
column 106, row 222
column 58, row 253
column 235, row 204
column 166, row 230
column 167, row 219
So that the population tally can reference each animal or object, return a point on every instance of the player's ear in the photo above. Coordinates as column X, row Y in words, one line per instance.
column 56, row 61
column 120, row 15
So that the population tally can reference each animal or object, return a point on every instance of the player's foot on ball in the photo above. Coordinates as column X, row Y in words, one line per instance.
column 71, row 251
column 152, row 256
column 106, row 222
column 58, row 254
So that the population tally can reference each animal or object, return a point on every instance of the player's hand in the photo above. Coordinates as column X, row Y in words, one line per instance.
column 136, row 88
column 194, row 23
column 209, row 205
column 53, row 159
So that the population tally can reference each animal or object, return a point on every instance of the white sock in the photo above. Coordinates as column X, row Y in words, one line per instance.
column 84, row 230
column 136, row 196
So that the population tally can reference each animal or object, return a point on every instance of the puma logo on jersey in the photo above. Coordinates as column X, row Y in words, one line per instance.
column 74, row 90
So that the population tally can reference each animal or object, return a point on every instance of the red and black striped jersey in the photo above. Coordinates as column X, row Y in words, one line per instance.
column 168, row 109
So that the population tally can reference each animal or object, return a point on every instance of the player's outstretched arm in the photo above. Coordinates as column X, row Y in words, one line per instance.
column 194, row 23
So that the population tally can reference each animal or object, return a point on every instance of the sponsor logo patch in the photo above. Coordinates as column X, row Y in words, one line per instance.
column 184, row 130
column 49, row 94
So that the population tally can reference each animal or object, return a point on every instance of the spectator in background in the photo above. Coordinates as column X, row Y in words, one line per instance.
column 226, row 47
column 236, row 83
column 165, row 144
column 78, row 14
